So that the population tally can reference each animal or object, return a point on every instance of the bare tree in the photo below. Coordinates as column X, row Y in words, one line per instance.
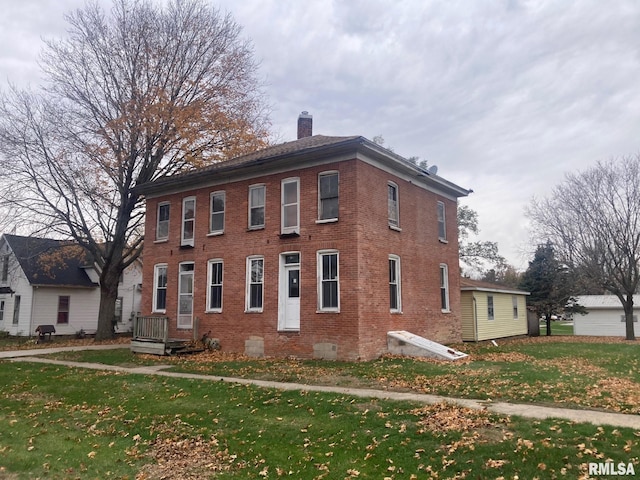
column 593, row 219
column 144, row 92
column 475, row 255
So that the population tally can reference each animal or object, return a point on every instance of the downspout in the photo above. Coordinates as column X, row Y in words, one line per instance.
column 475, row 318
column 34, row 289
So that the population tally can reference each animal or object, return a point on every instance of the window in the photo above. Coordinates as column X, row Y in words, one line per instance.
column 188, row 220
column 1, row 310
column 256, row 206
column 328, row 196
column 514, row 302
column 442, row 226
column 118, row 313
column 328, row 282
column 291, row 205
column 217, row 212
column 490, row 312
column 444, row 287
column 5, row 268
column 162, row 228
column 255, row 283
column 185, row 295
column 16, row 309
column 160, row 288
column 392, row 201
column 214, row 293
column 63, row 309
column 394, row 284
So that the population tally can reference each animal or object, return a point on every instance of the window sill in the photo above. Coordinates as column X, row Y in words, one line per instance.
column 393, row 227
column 443, row 240
column 335, row 310
column 215, row 234
column 162, row 240
column 445, row 310
column 251, row 229
column 396, row 312
column 326, row 220
column 289, row 235
column 186, row 246
column 162, row 312
column 253, row 311
column 218, row 310
column 288, row 330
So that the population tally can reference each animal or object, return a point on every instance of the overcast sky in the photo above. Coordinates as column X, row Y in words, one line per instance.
column 505, row 97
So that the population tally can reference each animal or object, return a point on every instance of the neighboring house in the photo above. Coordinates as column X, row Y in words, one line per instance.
column 312, row 248
column 490, row 310
column 605, row 316
column 53, row 282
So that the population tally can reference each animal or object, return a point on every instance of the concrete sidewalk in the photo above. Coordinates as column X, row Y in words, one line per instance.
column 502, row 408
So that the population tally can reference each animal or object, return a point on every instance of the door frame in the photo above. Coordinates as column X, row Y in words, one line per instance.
column 283, row 291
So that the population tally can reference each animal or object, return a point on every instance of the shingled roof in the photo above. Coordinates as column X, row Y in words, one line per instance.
column 478, row 285
column 306, row 148
column 49, row 262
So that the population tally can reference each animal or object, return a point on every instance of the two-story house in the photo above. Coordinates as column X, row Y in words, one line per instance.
column 44, row 281
column 312, row 248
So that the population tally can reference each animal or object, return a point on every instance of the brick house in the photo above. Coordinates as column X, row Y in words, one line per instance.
column 313, row 248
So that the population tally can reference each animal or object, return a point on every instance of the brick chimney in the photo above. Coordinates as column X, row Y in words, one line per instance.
column 305, row 125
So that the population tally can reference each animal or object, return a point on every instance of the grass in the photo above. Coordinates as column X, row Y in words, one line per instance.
column 557, row 328
column 58, row 422
column 560, row 371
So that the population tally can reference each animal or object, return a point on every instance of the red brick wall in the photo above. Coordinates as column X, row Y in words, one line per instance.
column 361, row 236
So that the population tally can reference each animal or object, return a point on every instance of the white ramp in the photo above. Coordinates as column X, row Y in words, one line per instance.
column 401, row 342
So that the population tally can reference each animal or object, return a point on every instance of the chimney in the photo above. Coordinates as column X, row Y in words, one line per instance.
column 305, row 125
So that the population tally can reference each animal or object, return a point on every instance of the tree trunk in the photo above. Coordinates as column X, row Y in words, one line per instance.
column 108, row 294
column 548, row 318
column 628, row 315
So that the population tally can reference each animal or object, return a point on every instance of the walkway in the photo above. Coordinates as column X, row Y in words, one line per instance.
column 502, row 408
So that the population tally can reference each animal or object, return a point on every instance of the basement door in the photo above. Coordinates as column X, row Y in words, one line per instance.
column 289, row 292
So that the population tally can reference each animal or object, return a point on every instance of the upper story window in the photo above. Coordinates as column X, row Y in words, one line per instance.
column 444, row 287
column 291, row 205
column 160, row 288
column 188, row 220
column 4, row 272
column 162, row 227
column 328, row 196
column 217, row 212
column 490, row 311
column 395, row 299
column 257, row 194
column 392, row 203
column 328, row 281
column 442, row 225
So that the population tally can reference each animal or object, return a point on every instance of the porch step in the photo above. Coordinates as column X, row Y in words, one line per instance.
column 401, row 342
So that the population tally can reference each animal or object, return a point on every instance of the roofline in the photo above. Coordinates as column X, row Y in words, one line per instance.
column 359, row 144
column 494, row 290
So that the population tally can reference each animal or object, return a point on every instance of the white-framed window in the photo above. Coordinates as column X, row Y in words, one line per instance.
column 118, row 312
column 188, row 220
column 162, row 225
column 257, row 195
column 395, row 297
column 160, row 288
column 514, row 302
column 442, row 225
column 392, row 203
column 214, row 281
column 63, row 309
column 328, row 281
column 444, row 287
column 1, row 310
column 328, row 203
column 490, row 310
column 290, row 213
column 16, row 309
column 216, row 224
column 255, row 284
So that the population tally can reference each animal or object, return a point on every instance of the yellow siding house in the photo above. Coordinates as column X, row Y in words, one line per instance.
column 490, row 310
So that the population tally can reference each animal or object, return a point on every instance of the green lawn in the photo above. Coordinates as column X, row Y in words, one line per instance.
column 61, row 423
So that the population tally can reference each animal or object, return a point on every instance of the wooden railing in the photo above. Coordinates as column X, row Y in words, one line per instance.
column 151, row 328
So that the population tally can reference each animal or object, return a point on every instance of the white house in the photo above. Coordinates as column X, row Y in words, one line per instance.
column 605, row 316
column 54, row 282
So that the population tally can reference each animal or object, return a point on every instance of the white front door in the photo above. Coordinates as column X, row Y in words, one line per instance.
column 185, row 296
column 289, row 301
